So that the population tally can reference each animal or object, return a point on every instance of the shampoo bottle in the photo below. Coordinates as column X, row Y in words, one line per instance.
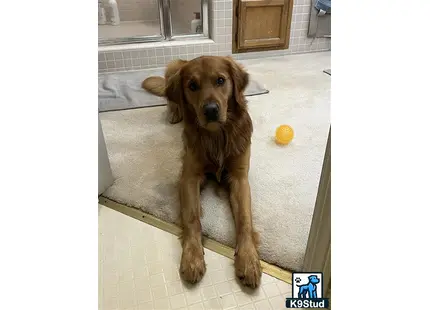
column 113, row 12
column 196, row 23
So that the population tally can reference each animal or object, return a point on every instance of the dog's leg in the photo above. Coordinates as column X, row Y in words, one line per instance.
column 247, row 261
column 193, row 266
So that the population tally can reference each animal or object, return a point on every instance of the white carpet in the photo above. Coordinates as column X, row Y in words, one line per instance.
column 145, row 156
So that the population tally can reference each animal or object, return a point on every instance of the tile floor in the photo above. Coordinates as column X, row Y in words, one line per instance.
column 138, row 270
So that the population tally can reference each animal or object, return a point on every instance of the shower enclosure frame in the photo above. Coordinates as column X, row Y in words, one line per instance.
column 166, row 28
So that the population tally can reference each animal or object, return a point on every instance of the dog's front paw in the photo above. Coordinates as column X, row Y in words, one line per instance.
column 193, row 265
column 247, row 266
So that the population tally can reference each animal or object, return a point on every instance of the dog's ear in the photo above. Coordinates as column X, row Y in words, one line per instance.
column 240, row 80
column 173, row 75
column 175, row 96
column 174, row 87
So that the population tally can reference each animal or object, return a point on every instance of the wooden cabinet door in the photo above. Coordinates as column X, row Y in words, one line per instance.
column 262, row 24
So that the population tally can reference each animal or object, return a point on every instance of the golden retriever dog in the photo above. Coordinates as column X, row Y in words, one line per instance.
column 207, row 93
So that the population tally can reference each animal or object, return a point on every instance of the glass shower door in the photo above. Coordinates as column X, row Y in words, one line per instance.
column 130, row 21
column 139, row 21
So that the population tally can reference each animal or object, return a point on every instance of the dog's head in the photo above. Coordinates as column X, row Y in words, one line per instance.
column 209, row 87
column 313, row 279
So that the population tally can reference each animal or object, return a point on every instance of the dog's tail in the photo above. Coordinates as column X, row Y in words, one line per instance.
column 155, row 85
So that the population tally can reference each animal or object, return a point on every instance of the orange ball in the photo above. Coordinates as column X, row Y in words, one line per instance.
column 284, row 134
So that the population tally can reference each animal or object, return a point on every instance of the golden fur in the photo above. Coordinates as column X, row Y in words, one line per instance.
column 157, row 86
column 220, row 148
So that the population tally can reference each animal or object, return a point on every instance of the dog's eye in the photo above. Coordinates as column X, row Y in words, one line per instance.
column 220, row 81
column 193, row 86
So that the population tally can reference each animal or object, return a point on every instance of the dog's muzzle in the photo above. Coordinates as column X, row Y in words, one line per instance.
column 211, row 111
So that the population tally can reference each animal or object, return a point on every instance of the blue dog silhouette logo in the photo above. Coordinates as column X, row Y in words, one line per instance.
column 308, row 290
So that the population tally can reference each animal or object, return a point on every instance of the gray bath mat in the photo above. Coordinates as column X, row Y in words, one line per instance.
column 122, row 91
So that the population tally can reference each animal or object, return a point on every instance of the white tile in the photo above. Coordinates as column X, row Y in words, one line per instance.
column 127, row 294
column 208, row 292
column 152, row 256
column 178, row 301
column 235, row 286
column 258, row 294
column 225, row 261
column 217, row 277
column 213, row 264
column 198, row 306
column 228, row 301
column 242, row 298
column 221, row 14
column 212, row 304
column 171, row 274
column 174, row 288
column 141, row 271
column 247, row 307
column 110, row 301
column 284, row 288
column 162, row 304
column 159, row 292
column 223, row 288
column 193, row 296
column 271, row 290
column 143, row 295
column 110, row 289
column 265, row 278
column 262, row 305
column 141, row 284
column 155, row 283
column 145, row 306
column 157, row 279
column 277, row 302
column 229, row 271
column 155, row 268
column 206, row 280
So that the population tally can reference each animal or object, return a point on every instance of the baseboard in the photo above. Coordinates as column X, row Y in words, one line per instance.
column 272, row 270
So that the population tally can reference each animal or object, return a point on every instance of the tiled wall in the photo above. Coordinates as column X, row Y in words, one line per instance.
column 147, row 55
column 132, row 10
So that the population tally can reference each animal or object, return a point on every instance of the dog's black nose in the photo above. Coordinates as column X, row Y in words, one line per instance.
column 211, row 111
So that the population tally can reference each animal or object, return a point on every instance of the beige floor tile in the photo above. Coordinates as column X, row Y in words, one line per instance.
column 139, row 264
